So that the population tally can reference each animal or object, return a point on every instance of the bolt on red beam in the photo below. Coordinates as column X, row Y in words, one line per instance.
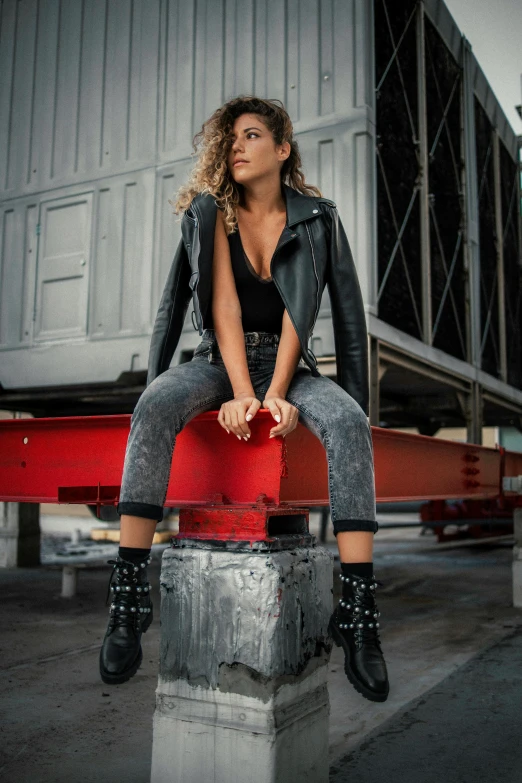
column 418, row 467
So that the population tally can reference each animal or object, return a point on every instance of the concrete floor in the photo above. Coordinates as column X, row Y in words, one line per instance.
column 451, row 638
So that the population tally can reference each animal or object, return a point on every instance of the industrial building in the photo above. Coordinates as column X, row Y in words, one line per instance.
column 396, row 122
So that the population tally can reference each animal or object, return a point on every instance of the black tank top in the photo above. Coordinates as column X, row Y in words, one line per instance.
column 261, row 305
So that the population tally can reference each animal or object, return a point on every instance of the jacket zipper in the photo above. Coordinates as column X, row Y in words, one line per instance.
column 316, row 279
column 197, row 309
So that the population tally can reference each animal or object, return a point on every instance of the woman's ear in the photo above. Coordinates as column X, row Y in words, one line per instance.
column 284, row 150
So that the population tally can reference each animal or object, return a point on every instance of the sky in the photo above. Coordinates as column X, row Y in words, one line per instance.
column 494, row 30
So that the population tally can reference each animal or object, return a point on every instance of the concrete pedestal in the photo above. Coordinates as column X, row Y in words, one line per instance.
column 517, row 558
column 19, row 535
column 242, row 694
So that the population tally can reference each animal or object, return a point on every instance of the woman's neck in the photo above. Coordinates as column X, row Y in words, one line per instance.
column 263, row 201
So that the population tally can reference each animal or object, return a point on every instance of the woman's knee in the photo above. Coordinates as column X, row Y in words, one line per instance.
column 157, row 400
column 344, row 413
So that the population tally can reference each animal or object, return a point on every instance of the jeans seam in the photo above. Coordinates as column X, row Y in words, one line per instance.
column 184, row 420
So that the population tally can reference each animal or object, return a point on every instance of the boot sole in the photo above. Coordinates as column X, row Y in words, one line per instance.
column 357, row 684
column 117, row 679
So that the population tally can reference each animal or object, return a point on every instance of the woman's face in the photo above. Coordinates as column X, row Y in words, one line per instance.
column 254, row 154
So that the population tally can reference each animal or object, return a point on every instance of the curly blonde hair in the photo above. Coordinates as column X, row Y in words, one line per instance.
column 212, row 145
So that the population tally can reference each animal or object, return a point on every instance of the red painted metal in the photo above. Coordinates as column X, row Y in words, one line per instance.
column 472, row 518
column 80, row 460
column 417, row 467
column 249, row 522
column 67, row 459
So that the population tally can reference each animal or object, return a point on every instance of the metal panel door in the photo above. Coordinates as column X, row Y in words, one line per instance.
column 63, row 263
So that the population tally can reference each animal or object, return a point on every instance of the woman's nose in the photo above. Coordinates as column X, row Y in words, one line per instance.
column 236, row 145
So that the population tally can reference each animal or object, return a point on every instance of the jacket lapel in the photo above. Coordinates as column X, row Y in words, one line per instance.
column 298, row 206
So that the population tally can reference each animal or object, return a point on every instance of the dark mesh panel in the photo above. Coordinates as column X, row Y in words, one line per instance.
column 396, row 78
column 489, row 334
column 512, row 270
column 448, row 283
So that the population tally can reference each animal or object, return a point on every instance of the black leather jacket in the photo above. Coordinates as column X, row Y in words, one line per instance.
column 313, row 251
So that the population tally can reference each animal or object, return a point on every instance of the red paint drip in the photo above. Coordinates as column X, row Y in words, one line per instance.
column 283, row 461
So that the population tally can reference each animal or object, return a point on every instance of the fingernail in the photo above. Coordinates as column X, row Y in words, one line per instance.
column 277, row 417
column 249, row 416
column 249, row 434
column 228, row 431
column 239, row 437
column 245, row 437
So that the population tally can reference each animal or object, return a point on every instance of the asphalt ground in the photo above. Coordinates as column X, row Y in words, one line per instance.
column 451, row 638
column 467, row 729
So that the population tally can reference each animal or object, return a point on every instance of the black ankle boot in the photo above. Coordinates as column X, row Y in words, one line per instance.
column 354, row 627
column 130, row 616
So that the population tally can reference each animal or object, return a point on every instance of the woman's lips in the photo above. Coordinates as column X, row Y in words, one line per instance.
column 240, row 163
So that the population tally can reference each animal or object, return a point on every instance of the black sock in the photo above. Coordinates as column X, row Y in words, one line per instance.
column 134, row 556
column 364, row 570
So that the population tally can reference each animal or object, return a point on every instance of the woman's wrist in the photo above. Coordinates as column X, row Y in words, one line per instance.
column 275, row 391
column 244, row 393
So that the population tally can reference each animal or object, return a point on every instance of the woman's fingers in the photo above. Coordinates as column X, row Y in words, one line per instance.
column 253, row 409
column 289, row 419
column 221, row 419
column 239, row 425
column 233, row 416
column 274, row 406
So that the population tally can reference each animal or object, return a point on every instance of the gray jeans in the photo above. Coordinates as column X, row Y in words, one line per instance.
column 202, row 384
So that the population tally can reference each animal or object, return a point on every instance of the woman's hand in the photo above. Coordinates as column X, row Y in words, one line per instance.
column 283, row 412
column 234, row 414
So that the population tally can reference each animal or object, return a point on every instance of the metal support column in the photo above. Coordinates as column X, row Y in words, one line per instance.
column 472, row 404
column 499, row 231
column 19, row 535
column 471, row 211
column 427, row 320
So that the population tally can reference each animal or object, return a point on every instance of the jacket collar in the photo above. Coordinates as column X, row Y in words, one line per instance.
column 298, row 206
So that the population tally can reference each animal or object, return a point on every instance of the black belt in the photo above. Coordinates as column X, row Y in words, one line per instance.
column 251, row 338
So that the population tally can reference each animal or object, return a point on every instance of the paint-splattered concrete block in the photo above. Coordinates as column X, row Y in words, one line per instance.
column 242, row 694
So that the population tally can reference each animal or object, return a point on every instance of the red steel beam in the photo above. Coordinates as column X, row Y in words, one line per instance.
column 80, row 459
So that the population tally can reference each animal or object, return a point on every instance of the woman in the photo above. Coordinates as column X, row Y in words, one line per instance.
column 258, row 247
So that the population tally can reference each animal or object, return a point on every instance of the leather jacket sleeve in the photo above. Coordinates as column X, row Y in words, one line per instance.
column 349, row 322
column 171, row 314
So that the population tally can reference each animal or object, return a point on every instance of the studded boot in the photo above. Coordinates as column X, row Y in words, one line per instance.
column 354, row 627
column 130, row 616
